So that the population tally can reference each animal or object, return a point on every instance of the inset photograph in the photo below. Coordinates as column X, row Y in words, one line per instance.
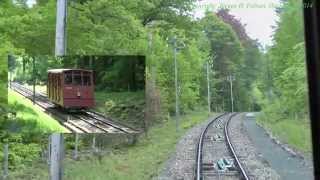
column 76, row 94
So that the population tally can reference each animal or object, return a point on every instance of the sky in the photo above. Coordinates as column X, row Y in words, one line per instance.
column 258, row 15
column 31, row 2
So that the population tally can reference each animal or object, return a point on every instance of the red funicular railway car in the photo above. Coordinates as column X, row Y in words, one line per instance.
column 71, row 88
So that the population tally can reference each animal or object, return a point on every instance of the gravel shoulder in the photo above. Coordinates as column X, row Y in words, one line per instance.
column 306, row 157
column 258, row 168
column 288, row 163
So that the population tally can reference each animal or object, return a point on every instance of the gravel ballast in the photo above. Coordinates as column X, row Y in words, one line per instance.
column 181, row 164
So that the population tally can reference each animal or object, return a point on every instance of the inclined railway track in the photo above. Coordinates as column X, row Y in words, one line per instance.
column 205, row 169
column 83, row 121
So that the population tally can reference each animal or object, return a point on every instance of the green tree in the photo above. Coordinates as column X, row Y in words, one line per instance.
column 227, row 53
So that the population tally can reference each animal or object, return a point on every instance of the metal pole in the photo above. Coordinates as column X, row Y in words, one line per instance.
column 34, row 79
column 56, row 157
column 10, row 68
column 231, row 93
column 90, row 62
column 60, row 48
column 10, row 79
column 94, row 143
column 56, row 154
column 208, row 83
column 176, row 84
column 5, row 163
column 223, row 104
column 76, row 147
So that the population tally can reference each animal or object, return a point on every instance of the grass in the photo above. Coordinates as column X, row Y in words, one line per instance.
column 142, row 161
column 127, row 107
column 118, row 97
column 296, row 133
column 124, row 99
column 34, row 172
column 139, row 162
column 29, row 117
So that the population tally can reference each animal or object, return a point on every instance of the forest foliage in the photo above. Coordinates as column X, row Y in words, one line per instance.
column 282, row 86
column 144, row 28
column 283, row 82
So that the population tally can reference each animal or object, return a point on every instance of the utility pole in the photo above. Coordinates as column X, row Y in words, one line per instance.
column 60, row 48
column 5, row 161
column 56, row 154
column 208, row 84
column 231, row 78
column 76, row 146
column 153, row 69
column 11, row 67
column 93, row 146
column 176, row 47
column 176, row 82
column 150, row 86
column 91, row 62
column 34, row 78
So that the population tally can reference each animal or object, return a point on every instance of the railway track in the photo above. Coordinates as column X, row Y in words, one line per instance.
column 84, row 121
column 216, row 157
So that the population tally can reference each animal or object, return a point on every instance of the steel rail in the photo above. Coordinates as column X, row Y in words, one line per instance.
column 79, row 127
column 27, row 93
column 39, row 94
column 200, row 146
column 94, row 125
column 231, row 147
column 111, row 120
column 107, row 121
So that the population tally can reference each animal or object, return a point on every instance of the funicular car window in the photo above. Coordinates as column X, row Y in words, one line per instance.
column 86, row 79
column 68, row 78
column 77, row 78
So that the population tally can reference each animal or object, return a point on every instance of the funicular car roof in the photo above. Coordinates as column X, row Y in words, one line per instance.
column 64, row 70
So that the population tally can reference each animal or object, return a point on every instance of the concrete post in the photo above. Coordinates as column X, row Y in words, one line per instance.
column 5, row 161
column 56, row 157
